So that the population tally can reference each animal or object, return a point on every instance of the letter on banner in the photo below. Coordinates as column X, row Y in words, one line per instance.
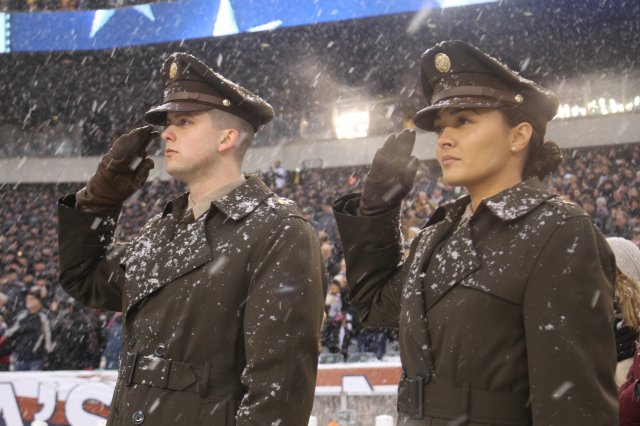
column 9, row 411
column 74, row 411
column 46, row 398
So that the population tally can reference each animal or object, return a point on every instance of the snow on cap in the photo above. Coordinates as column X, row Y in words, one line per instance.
column 455, row 74
column 191, row 86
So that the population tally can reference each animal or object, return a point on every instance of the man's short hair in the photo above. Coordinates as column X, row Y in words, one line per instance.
column 224, row 120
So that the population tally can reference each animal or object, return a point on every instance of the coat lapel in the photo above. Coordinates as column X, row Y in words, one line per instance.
column 456, row 259
column 163, row 252
column 415, row 313
column 166, row 250
column 451, row 264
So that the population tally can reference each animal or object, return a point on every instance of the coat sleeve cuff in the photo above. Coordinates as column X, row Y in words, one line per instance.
column 377, row 232
column 97, row 229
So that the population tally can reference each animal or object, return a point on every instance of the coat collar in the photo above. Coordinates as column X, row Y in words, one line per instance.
column 518, row 201
column 510, row 204
column 236, row 204
column 244, row 199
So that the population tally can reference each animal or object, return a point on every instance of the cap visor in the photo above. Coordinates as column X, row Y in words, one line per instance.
column 425, row 117
column 158, row 115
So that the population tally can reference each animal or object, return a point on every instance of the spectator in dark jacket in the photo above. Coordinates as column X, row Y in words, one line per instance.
column 113, row 345
column 30, row 334
column 326, row 221
column 75, row 333
column 621, row 227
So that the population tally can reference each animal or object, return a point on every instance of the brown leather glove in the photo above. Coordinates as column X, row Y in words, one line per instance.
column 391, row 176
column 121, row 172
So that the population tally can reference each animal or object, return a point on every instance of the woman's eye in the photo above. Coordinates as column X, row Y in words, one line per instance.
column 463, row 120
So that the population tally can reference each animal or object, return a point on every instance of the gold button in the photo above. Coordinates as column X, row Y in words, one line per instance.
column 173, row 71
column 226, row 102
column 443, row 63
column 519, row 99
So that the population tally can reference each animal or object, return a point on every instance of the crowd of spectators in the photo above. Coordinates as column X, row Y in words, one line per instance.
column 42, row 328
column 53, row 5
column 39, row 5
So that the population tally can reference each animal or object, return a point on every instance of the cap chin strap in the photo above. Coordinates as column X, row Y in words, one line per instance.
column 223, row 104
column 481, row 91
column 501, row 96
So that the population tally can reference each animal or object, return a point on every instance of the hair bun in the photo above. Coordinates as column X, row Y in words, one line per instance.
column 545, row 160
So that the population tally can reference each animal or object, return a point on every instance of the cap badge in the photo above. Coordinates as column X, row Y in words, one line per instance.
column 173, row 71
column 226, row 102
column 519, row 98
column 443, row 63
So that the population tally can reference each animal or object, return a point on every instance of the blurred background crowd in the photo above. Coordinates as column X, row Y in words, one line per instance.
column 42, row 328
column 348, row 72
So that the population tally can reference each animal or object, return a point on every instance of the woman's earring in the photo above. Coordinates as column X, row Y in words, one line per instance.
column 513, row 149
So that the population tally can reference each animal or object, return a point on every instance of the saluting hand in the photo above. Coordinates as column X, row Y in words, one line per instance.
column 391, row 176
column 121, row 172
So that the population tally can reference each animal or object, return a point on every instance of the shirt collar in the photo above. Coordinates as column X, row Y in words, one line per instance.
column 236, row 204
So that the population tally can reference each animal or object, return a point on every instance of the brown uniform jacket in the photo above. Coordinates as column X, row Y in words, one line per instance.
column 507, row 316
column 222, row 315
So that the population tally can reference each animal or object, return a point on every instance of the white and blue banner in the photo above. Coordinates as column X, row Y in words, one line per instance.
column 184, row 20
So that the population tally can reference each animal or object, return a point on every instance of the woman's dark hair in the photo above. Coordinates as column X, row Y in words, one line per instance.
column 544, row 157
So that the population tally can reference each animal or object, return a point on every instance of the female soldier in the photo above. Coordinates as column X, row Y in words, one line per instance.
column 504, row 303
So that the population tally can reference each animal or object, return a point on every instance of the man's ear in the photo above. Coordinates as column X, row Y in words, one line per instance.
column 230, row 140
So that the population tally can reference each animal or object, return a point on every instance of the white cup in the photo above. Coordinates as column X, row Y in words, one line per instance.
column 384, row 420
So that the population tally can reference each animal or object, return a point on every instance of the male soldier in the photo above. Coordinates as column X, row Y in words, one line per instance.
column 222, row 293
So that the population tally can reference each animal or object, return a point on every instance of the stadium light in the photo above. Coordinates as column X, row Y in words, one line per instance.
column 351, row 121
column 600, row 106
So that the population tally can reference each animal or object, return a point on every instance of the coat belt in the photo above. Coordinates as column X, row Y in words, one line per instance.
column 166, row 373
column 462, row 404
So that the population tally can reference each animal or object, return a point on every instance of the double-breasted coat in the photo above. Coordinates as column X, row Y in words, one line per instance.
column 505, row 318
column 222, row 314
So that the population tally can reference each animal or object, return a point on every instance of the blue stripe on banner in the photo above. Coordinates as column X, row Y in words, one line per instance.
column 186, row 19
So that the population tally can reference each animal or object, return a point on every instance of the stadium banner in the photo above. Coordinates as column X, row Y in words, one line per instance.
column 187, row 19
column 5, row 32
column 82, row 398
